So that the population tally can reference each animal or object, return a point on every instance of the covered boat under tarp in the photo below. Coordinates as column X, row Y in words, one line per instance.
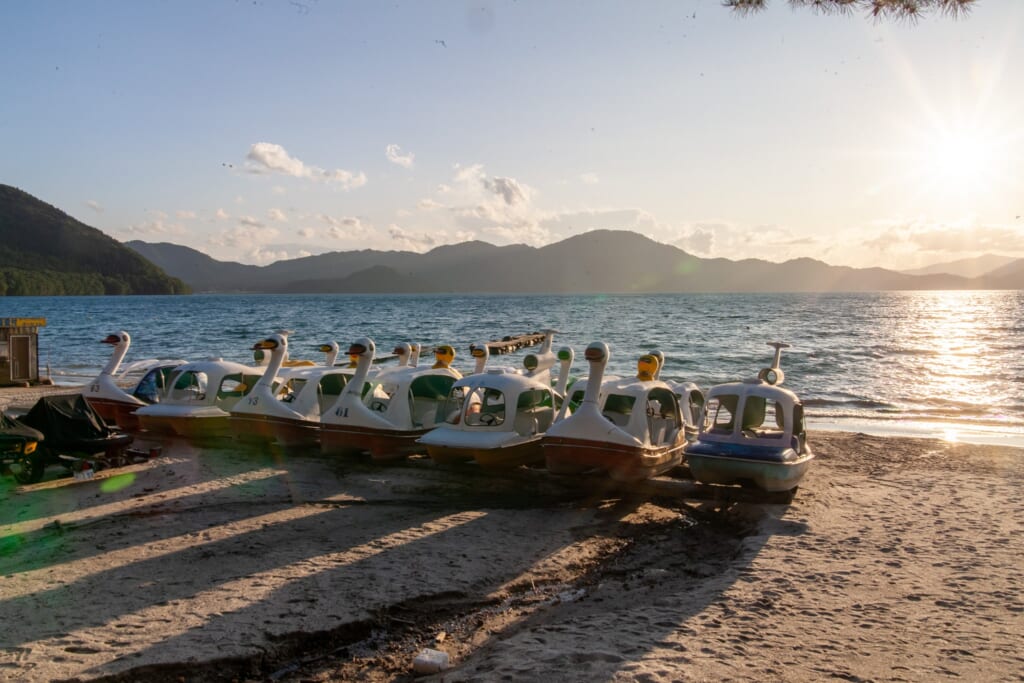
column 74, row 429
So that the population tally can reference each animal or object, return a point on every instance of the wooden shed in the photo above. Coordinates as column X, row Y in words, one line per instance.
column 19, row 350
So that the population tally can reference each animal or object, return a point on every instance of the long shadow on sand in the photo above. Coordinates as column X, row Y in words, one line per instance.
column 246, row 577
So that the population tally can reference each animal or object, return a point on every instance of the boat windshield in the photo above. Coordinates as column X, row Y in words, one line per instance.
column 483, row 407
column 618, row 408
column 234, row 387
column 190, row 386
column 151, row 387
column 719, row 414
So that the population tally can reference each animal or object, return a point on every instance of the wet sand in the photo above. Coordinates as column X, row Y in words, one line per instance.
column 898, row 559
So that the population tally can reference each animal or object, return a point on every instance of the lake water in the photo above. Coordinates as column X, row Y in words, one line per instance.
column 944, row 364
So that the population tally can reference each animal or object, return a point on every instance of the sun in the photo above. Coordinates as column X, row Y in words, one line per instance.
column 959, row 160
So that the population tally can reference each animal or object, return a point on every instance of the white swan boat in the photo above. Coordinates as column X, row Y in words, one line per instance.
column 753, row 432
column 632, row 428
column 498, row 418
column 199, row 398
column 107, row 396
column 286, row 402
column 386, row 413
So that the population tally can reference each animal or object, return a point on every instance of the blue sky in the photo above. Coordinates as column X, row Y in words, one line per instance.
column 255, row 131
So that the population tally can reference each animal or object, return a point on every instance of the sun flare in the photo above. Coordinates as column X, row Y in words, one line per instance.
column 959, row 160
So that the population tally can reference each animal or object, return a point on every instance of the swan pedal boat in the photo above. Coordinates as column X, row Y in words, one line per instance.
column 631, row 428
column 499, row 417
column 385, row 414
column 753, row 432
column 286, row 403
column 199, row 398
column 106, row 395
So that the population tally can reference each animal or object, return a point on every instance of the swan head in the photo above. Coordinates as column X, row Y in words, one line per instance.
column 328, row 348
column 403, row 350
column 647, row 367
column 361, row 348
column 479, row 351
column 274, row 341
column 443, row 355
column 121, row 337
column 597, row 353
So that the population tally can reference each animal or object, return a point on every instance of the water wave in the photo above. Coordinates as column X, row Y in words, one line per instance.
column 868, row 356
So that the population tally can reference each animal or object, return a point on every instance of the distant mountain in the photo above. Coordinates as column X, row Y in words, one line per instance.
column 602, row 261
column 204, row 273
column 44, row 251
column 1010, row 276
column 967, row 267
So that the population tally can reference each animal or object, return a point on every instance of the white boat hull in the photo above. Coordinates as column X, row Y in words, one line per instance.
column 768, row 476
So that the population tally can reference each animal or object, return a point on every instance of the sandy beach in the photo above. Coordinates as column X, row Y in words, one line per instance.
column 898, row 559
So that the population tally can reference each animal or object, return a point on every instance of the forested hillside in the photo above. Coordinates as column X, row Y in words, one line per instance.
column 43, row 251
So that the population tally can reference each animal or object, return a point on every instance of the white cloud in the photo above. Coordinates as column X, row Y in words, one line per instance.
column 720, row 239
column 508, row 189
column 428, row 205
column 499, row 207
column 346, row 228
column 411, row 241
column 395, row 156
column 249, row 242
column 251, row 222
column 943, row 239
column 222, row 215
column 306, row 233
column 158, row 226
column 590, row 178
column 277, row 215
column 266, row 157
column 699, row 242
column 185, row 215
column 94, row 205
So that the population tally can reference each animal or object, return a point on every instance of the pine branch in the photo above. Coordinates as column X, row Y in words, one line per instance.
column 879, row 10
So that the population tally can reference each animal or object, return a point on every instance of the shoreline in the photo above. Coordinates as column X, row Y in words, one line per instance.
column 897, row 558
column 25, row 397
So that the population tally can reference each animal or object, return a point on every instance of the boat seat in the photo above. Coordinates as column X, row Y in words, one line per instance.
column 660, row 429
column 424, row 412
column 753, row 413
column 526, row 424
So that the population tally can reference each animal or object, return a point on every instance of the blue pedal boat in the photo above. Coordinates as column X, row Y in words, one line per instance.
column 752, row 433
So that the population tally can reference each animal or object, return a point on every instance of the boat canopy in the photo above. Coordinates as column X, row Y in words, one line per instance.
column 219, row 383
column 502, row 401
column 752, row 411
